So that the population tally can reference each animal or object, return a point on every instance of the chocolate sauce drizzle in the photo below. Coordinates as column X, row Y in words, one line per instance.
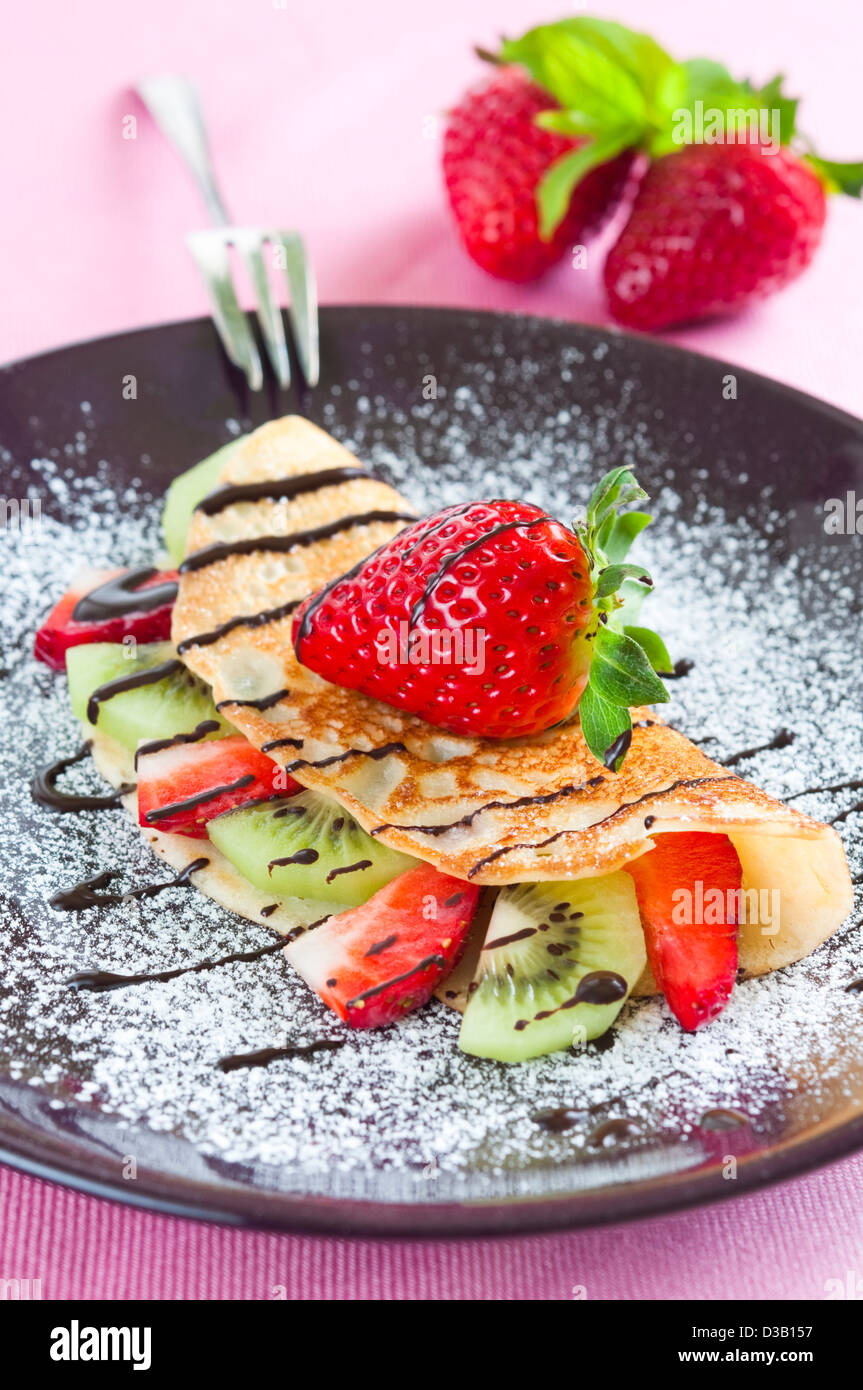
column 266, row 1055
column 853, row 785
column 783, row 739
column 89, row 893
column 302, row 856
column 158, row 745
column 265, row 702
column 681, row 668
column 317, row 599
column 443, row 521
column 349, row 869
column 43, row 788
column 278, row 489
column 252, row 545
column 200, row 799
column 267, row 615
column 618, row 749
column 542, row 799
column 121, row 595
column 458, row 555
column 578, row 830
column 374, row 753
column 100, row 981
column 151, row 676
column 425, row 964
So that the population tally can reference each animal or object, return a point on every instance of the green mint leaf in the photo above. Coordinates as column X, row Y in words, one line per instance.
column 579, row 74
column 603, row 725
column 615, row 489
column 556, row 186
column 575, row 124
column 661, row 81
column 610, row 579
column 703, row 76
column 838, row 177
column 653, row 647
column 620, row 534
column 621, row 673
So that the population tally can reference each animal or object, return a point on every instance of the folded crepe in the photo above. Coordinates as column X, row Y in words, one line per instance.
column 533, row 808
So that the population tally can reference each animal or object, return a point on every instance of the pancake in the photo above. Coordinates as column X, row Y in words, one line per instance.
column 528, row 809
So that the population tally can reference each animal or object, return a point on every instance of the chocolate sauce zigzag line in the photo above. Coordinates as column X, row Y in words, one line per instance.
column 279, row 489
column 200, row 799
column 265, row 701
column 436, row 960
column 252, row 545
column 122, row 594
column 458, row 555
column 100, row 981
column 88, row 893
column 262, row 619
column 299, row 763
column 158, row 745
column 580, row 830
column 43, row 788
column 853, row 785
column 783, row 739
column 151, row 676
column 318, row 598
column 542, row 799
column 266, row 1055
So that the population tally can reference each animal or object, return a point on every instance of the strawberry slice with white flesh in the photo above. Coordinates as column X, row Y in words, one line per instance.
column 688, row 891
column 378, row 962
column 108, row 606
column 183, row 786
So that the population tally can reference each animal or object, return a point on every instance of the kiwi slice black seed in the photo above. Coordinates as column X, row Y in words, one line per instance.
column 306, row 846
column 558, row 962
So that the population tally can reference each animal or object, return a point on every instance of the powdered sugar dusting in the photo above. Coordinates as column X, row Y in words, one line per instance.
column 765, row 607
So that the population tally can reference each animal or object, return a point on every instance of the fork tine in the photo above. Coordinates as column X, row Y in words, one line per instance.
column 250, row 243
column 210, row 252
column 303, row 304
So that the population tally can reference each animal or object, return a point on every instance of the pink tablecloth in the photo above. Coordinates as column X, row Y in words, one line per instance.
column 322, row 116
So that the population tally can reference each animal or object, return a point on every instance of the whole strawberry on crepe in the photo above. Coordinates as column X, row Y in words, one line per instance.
column 733, row 203
column 493, row 619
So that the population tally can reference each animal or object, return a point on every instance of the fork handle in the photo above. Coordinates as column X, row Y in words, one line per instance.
column 173, row 104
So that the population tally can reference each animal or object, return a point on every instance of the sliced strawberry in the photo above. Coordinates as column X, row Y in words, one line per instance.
column 378, row 962
column 687, row 890
column 183, row 786
column 106, row 606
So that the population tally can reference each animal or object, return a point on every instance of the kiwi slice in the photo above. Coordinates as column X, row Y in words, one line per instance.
column 558, row 962
column 306, row 846
column 186, row 492
column 175, row 704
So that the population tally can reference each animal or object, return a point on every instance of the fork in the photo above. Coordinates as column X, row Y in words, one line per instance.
column 173, row 104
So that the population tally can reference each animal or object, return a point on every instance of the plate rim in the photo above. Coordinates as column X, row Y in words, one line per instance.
column 241, row 1208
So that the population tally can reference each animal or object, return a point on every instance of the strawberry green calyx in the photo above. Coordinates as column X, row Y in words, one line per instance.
column 617, row 90
column 626, row 657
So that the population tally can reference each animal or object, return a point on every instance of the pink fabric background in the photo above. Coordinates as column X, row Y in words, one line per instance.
column 319, row 117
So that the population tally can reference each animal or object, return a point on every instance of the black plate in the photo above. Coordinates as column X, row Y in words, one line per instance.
column 461, row 403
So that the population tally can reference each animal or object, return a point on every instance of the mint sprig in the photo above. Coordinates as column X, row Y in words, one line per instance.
column 626, row 657
column 617, row 89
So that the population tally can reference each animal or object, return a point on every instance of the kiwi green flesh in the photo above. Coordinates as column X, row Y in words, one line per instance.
column 551, row 936
column 175, row 705
column 186, row 492
column 319, row 837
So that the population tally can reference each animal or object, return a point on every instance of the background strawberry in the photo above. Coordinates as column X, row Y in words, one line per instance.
column 713, row 227
column 535, row 159
column 541, row 601
column 495, row 156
